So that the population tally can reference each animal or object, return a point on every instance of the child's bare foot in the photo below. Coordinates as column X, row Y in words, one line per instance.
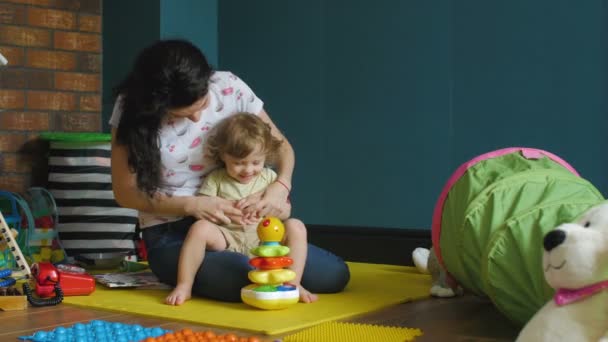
column 306, row 296
column 179, row 295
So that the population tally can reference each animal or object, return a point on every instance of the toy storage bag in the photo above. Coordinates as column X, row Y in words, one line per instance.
column 491, row 218
column 91, row 224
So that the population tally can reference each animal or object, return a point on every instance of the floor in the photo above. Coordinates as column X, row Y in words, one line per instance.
column 466, row 318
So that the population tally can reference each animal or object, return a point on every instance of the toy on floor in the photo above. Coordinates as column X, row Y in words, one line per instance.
column 442, row 284
column 46, row 276
column 18, row 268
column 5, row 279
column 271, row 290
column 344, row 331
column 34, row 215
column 52, row 283
column 7, row 256
column 72, row 283
column 12, row 219
column 97, row 330
column 207, row 335
column 40, row 217
column 8, row 239
column 11, row 299
column 490, row 220
column 575, row 264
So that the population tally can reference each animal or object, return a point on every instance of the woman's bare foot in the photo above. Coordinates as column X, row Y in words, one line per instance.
column 179, row 295
column 306, row 296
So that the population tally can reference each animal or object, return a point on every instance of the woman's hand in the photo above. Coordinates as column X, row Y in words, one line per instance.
column 214, row 209
column 269, row 202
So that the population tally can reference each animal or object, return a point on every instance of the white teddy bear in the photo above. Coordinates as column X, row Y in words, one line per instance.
column 441, row 286
column 575, row 263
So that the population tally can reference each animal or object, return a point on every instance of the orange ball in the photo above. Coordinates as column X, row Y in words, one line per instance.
column 209, row 334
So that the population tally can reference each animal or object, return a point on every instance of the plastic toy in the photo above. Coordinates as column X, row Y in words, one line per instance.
column 206, row 335
column 271, row 289
column 72, row 283
column 12, row 220
column 35, row 217
column 442, row 285
column 49, row 281
column 7, row 256
column 41, row 217
column 491, row 217
column 575, row 265
column 345, row 331
column 36, row 301
column 21, row 268
column 97, row 330
column 8, row 281
column 11, row 299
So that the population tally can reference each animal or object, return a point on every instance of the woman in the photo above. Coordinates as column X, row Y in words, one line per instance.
column 164, row 110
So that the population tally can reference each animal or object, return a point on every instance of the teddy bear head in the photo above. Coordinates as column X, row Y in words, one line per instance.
column 576, row 254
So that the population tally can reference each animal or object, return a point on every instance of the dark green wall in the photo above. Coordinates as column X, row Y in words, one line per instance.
column 129, row 26
column 383, row 100
column 195, row 20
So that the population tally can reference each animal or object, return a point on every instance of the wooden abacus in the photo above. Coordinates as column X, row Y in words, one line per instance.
column 11, row 298
column 23, row 269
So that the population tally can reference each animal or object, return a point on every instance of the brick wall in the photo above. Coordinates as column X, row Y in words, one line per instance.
column 52, row 82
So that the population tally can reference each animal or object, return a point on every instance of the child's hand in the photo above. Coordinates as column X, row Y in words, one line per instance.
column 267, row 203
column 251, row 219
column 248, row 204
column 214, row 209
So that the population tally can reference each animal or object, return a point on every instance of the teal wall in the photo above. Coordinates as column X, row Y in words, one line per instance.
column 195, row 20
column 128, row 26
column 383, row 100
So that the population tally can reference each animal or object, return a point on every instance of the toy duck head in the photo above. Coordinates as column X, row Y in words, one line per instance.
column 271, row 229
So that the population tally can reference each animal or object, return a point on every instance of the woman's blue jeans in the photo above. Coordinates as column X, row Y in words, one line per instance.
column 223, row 274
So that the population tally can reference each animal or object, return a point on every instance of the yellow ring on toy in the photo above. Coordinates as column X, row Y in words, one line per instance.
column 276, row 276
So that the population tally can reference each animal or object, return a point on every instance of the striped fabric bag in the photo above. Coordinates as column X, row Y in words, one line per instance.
column 90, row 222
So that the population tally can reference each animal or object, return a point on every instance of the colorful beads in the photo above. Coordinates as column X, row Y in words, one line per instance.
column 97, row 331
column 187, row 335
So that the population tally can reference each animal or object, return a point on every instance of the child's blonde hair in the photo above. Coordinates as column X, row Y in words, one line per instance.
column 238, row 135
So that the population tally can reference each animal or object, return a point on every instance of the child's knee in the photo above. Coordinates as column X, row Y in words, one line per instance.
column 295, row 228
column 201, row 229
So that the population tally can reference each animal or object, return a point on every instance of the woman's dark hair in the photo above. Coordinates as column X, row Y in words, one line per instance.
column 166, row 75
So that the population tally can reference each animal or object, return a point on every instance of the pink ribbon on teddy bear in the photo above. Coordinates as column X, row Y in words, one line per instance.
column 567, row 296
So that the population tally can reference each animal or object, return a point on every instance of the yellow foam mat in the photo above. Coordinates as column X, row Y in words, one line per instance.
column 349, row 332
column 372, row 287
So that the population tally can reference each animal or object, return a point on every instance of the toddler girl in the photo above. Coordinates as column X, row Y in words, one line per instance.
column 243, row 144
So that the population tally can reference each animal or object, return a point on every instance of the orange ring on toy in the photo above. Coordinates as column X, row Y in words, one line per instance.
column 270, row 263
